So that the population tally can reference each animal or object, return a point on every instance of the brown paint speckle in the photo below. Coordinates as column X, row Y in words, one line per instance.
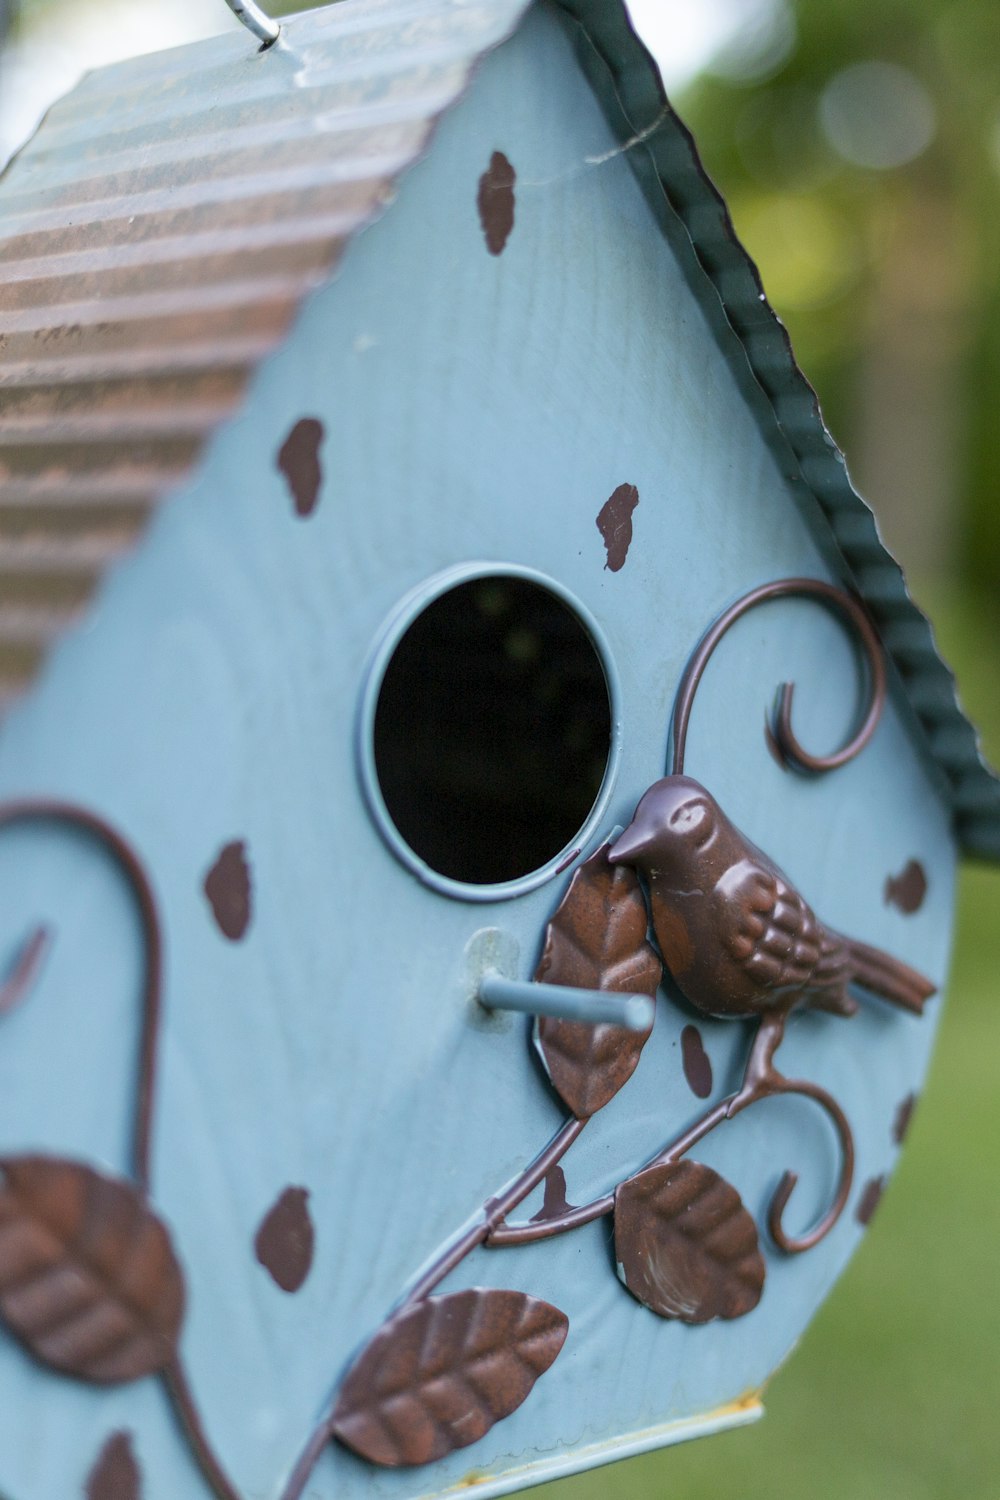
column 495, row 202
column 906, row 891
column 556, row 1203
column 904, row 1119
column 870, row 1199
column 615, row 525
column 299, row 461
column 697, row 1063
column 286, row 1240
column 116, row 1475
column 229, row 890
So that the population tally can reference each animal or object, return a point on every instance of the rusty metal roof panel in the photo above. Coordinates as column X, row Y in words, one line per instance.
column 157, row 237
column 161, row 230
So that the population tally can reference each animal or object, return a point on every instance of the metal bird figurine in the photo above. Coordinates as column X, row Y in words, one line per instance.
column 734, row 932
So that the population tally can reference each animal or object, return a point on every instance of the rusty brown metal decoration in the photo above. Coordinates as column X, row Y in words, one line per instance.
column 441, row 1373
column 89, row 1281
column 735, row 934
column 597, row 941
column 790, row 751
column 739, row 941
column 685, row 1245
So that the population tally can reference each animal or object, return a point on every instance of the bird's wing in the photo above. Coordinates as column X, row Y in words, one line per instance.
column 774, row 936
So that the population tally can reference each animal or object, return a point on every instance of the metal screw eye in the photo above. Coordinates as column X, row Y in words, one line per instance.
column 254, row 19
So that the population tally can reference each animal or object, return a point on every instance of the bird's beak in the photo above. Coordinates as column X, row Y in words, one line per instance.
column 628, row 846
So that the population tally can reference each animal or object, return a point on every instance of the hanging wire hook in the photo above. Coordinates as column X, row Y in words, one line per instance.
column 254, row 19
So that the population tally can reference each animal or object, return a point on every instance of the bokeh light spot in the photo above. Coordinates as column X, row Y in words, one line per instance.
column 741, row 39
column 780, row 143
column 760, row 46
column 808, row 253
column 878, row 115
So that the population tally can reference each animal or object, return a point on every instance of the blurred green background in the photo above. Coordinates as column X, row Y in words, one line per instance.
column 858, row 144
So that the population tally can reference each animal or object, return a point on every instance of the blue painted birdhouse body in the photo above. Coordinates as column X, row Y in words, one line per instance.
column 535, row 385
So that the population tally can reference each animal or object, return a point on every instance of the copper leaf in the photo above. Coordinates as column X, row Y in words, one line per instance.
column 686, row 1247
column 596, row 940
column 89, row 1281
column 441, row 1373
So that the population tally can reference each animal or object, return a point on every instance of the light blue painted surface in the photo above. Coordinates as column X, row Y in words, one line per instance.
column 475, row 408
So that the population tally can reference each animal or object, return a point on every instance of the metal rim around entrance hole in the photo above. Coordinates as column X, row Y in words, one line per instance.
column 391, row 634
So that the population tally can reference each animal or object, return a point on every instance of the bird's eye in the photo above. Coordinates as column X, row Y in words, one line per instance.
column 689, row 817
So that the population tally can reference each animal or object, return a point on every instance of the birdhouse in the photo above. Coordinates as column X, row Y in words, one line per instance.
column 458, row 1020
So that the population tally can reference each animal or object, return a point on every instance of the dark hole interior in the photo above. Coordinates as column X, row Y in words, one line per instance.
column 492, row 730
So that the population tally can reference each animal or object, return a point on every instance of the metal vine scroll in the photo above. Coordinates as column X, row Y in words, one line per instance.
column 739, row 941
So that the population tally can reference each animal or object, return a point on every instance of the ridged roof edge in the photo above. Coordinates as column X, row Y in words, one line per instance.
column 665, row 157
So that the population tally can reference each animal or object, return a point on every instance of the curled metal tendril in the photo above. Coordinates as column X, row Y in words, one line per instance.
column 763, row 1081
column 792, row 751
column 26, row 968
column 796, row 1244
column 25, row 972
column 504, row 1235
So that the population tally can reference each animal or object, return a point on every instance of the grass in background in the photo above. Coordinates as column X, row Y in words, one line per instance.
column 893, row 1392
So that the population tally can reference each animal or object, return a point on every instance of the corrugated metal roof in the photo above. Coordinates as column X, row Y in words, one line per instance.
column 157, row 236
column 160, row 231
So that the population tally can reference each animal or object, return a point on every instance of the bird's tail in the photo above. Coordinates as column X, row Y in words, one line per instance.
column 888, row 977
